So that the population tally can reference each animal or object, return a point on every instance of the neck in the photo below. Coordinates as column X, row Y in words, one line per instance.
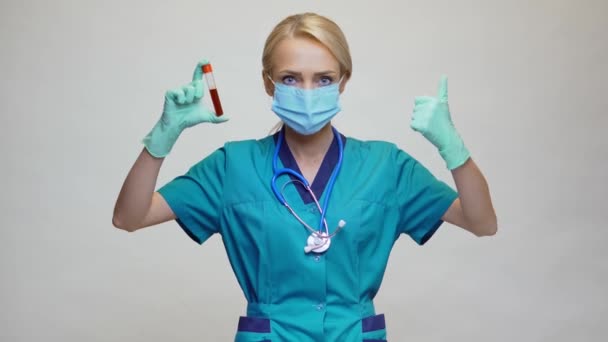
column 309, row 147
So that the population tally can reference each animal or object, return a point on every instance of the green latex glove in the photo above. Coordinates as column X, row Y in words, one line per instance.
column 432, row 119
column 182, row 110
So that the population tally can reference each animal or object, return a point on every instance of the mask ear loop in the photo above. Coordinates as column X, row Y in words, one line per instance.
column 273, row 85
column 271, row 81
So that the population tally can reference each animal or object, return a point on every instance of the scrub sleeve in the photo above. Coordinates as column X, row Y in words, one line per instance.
column 421, row 198
column 196, row 197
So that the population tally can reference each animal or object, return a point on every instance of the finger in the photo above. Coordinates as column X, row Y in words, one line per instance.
column 175, row 95
column 178, row 96
column 198, row 71
column 169, row 95
column 415, row 125
column 198, row 89
column 443, row 89
column 189, row 93
column 413, row 118
column 220, row 119
column 417, row 112
column 420, row 100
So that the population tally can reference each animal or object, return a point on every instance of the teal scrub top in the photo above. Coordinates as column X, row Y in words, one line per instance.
column 381, row 192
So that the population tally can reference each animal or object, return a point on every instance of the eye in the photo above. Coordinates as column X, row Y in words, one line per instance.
column 325, row 81
column 289, row 80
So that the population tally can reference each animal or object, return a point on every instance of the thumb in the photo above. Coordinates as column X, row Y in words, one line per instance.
column 219, row 119
column 443, row 89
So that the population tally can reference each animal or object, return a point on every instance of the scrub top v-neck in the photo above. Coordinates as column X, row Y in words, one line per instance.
column 381, row 192
column 319, row 183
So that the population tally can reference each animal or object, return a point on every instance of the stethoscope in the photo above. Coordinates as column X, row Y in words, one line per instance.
column 319, row 240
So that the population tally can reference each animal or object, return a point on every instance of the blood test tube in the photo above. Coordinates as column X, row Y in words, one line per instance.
column 217, row 105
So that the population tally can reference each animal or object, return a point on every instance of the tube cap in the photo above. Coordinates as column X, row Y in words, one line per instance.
column 207, row 68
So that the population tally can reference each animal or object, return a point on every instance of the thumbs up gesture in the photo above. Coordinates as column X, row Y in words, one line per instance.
column 431, row 117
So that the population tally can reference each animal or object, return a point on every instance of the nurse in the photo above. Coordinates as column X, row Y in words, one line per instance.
column 306, row 198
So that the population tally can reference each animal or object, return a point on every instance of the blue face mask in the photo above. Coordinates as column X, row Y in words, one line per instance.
column 306, row 110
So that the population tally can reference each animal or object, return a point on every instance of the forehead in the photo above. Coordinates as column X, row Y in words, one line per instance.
column 303, row 54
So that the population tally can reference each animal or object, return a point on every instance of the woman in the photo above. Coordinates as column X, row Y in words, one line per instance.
column 309, row 260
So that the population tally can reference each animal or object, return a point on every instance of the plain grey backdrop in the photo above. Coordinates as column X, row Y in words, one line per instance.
column 82, row 82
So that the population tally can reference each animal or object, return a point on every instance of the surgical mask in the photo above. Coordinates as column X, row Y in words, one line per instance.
column 306, row 110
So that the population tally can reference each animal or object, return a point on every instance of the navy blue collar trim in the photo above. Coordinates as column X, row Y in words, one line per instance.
column 327, row 166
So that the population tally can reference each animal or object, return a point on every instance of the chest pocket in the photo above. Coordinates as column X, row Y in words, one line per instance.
column 371, row 224
column 370, row 231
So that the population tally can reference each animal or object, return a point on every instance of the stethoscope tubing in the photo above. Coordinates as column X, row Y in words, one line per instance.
column 279, row 172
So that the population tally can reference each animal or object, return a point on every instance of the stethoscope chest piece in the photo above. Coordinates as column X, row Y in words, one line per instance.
column 317, row 242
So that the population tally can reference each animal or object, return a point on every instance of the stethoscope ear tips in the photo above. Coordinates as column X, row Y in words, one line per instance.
column 341, row 224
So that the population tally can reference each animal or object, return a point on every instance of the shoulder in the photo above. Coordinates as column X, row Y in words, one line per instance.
column 249, row 145
column 240, row 150
column 243, row 155
column 372, row 148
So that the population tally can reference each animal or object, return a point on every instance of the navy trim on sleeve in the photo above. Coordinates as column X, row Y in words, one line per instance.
column 435, row 226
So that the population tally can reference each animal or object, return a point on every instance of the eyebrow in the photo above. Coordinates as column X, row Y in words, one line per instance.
column 327, row 72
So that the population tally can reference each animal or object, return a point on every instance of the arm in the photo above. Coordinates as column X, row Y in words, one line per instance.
column 138, row 206
column 473, row 209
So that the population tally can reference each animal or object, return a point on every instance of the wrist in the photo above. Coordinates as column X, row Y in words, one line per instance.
column 160, row 140
column 455, row 154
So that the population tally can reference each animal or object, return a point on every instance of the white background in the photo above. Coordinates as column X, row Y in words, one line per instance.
column 82, row 82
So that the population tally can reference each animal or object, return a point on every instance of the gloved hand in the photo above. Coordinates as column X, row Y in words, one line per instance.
column 182, row 110
column 432, row 118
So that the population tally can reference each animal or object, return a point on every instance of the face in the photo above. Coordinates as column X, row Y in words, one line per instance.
column 303, row 63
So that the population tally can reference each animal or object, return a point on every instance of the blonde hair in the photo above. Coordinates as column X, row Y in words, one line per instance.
column 314, row 26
